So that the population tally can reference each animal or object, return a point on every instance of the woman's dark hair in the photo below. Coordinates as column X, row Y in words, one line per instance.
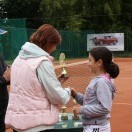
column 106, row 56
column 45, row 34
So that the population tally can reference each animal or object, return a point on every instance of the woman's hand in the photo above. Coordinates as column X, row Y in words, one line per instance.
column 62, row 78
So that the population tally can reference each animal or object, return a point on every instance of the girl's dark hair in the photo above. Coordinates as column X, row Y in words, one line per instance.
column 106, row 56
column 45, row 34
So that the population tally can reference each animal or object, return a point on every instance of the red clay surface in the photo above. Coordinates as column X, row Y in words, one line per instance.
column 121, row 119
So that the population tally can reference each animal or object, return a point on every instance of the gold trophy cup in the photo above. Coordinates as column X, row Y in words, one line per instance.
column 64, row 74
column 63, row 65
column 64, row 115
column 75, row 115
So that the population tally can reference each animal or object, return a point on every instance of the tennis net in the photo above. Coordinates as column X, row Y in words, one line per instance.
column 79, row 77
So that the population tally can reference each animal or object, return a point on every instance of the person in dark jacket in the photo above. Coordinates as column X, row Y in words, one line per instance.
column 4, row 81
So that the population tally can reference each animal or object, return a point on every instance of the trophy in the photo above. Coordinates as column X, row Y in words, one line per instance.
column 63, row 65
column 64, row 115
column 64, row 74
column 75, row 115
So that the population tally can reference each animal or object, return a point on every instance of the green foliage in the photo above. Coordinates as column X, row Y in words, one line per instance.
column 97, row 15
column 21, row 8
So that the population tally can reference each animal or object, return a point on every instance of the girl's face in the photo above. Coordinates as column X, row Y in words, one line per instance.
column 93, row 65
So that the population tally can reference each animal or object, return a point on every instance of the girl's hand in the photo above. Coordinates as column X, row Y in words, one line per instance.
column 73, row 92
column 76, row 110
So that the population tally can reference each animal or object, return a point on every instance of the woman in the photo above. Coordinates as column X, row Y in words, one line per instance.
column 35, row 90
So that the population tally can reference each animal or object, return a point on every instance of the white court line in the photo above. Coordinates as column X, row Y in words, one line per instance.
column 124, row 78
column 123, row 104
column 72, row 64
column 126, row 70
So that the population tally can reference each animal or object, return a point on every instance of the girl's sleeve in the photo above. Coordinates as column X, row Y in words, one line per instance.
column 52, row 87
column 79, row 98
column 104, row 104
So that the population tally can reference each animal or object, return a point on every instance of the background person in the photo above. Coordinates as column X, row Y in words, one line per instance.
column 97, row 100
column 4, row 81
column 35, row 90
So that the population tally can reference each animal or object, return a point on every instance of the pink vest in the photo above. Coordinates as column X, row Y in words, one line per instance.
column 28, row 105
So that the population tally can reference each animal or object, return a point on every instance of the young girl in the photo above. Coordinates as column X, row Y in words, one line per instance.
column 97, row 100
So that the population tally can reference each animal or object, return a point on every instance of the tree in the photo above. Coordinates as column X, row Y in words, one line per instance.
column 60, row 14
column 100, row 15
column 21, row 8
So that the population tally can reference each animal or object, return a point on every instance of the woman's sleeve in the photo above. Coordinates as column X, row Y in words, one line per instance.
column 2, row 69
column 52, row 87
column 2, row 81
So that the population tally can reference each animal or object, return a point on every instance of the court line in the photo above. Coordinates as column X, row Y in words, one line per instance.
column 126, row 70
column 123, row 104
column 72, row 64
column 124, row 78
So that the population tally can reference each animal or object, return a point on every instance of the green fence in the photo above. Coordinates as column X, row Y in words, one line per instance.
column 74, row 44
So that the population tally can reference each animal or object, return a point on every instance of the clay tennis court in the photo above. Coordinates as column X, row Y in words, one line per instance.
column 121, row 116
column 80, row 76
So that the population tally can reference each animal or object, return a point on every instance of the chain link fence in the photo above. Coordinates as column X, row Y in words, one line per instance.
column 74, row 44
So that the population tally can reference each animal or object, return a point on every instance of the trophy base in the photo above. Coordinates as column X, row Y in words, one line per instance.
column 75, row 117
column 64, row 116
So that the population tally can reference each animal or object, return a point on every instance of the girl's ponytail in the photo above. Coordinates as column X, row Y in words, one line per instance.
column 113, row 70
